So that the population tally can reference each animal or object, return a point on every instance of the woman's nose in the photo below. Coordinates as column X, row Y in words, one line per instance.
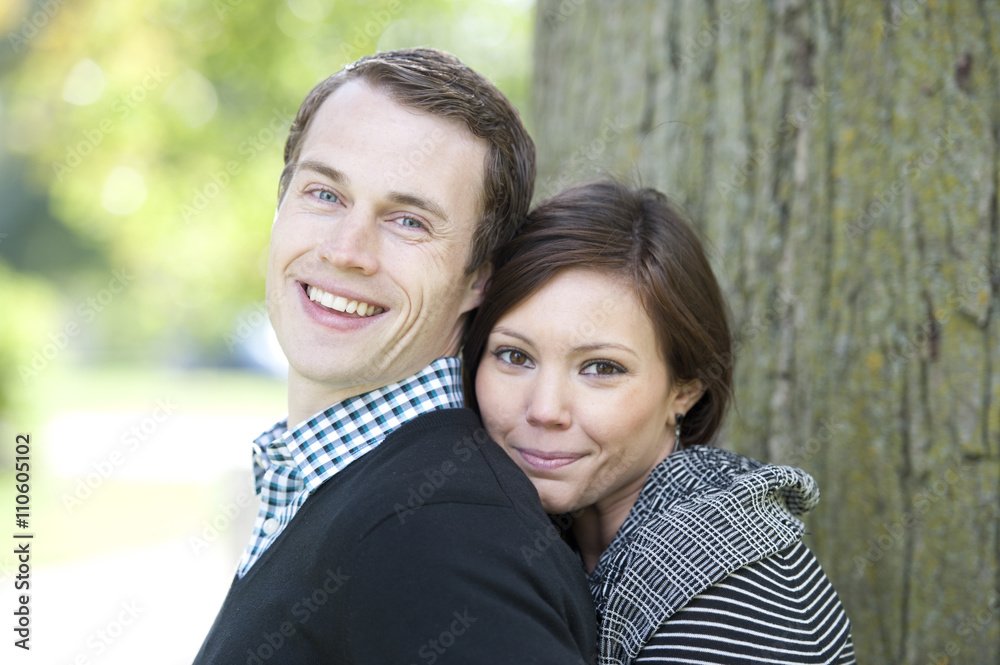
column 549, row 402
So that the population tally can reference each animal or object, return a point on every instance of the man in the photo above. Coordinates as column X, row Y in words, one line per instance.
column 391, row 530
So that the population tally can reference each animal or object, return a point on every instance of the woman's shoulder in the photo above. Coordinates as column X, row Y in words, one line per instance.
column 780, row 609
column 705, row 473
column 704, row 514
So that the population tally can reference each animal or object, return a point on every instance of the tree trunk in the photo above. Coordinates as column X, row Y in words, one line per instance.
column 842, row 159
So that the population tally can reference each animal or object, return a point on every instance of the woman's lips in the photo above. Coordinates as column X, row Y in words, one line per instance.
column 543, row 461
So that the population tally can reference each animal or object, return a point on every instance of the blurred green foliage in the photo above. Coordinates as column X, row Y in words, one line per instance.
column 141, row 148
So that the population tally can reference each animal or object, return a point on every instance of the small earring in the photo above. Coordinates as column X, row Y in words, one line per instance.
column 677, row 431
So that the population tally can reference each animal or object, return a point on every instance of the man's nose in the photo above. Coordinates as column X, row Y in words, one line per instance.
column 353, row 241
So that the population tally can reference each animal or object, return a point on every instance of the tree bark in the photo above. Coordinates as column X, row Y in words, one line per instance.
column 843, row 161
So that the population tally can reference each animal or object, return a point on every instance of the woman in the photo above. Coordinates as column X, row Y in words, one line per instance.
column 602, row 363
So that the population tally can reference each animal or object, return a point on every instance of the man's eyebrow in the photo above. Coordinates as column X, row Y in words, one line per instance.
column 399, row 198
column 428, row 205
column 324, row 170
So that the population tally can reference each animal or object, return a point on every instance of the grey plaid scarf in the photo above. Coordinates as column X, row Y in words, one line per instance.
column 702, row 514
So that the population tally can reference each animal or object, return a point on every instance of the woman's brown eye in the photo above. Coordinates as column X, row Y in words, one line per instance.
column 599, row 368
column 517, row 358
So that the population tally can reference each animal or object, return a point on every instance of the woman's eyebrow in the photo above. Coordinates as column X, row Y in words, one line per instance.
column 510, row 333
column 582, row 348
column 599, row 346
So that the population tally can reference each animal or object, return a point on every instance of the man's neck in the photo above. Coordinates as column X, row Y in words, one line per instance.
column 306, row 397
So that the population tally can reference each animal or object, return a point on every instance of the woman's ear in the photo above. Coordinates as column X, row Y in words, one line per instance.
column 688, row 395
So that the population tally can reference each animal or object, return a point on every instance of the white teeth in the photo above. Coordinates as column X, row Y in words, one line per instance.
column 340, row 303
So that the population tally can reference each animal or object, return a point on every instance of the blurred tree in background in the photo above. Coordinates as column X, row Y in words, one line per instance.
column 141, row 152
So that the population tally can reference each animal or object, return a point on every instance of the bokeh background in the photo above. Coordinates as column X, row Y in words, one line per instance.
column 841, row 157
column 140, row 148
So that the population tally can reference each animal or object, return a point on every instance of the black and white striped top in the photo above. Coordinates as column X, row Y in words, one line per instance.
column 779, row 610
column 709, row 568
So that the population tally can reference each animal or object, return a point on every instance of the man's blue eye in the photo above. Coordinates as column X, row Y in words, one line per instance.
column 326, row 195
column 410, row 222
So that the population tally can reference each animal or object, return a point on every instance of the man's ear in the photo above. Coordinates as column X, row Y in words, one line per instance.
column 477, row 286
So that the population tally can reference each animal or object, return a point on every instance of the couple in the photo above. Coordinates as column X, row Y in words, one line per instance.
column 391, row 529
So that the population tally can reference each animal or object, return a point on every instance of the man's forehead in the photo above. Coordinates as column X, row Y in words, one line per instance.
column 417, row 153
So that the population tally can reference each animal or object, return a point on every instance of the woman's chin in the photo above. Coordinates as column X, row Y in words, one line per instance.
column 557, row 505
column 558, row 497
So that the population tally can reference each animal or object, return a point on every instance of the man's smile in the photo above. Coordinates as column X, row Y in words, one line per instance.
column 341, row 303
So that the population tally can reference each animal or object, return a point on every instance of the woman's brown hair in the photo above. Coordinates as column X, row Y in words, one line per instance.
column 637, row 235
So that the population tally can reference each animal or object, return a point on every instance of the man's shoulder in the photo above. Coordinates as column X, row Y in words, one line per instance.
column 444, row 457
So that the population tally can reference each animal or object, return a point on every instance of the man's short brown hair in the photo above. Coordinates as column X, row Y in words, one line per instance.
column 440, row 84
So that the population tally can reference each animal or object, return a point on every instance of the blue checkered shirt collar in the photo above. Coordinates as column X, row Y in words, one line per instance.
column 292, row 464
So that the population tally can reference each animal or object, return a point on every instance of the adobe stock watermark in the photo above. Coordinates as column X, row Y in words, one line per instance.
column 543, row 539
column 709, row 33
column 561, row 12
column 748, row 332
column 225, row 517
column 366, row 33
column 828, row 429
column 87, row 311
column 969, row 625
column 91, row 139
column 584, row 158
column 249, row 149
column 929, row 331
column 913, row 170
column 893, row 532
column 792, row 121
column 434, row 648
column 900, row 11
column 34, row 24
column 223, row 8
column 102, row 639
column 302, row 611
column 416, row 159
column 128, row 443
column 246, row 326
column 418, row 495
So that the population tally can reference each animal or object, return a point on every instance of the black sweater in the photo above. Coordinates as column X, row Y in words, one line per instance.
column 431, row 549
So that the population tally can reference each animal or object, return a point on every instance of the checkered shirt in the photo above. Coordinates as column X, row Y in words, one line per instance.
column 291, row 465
